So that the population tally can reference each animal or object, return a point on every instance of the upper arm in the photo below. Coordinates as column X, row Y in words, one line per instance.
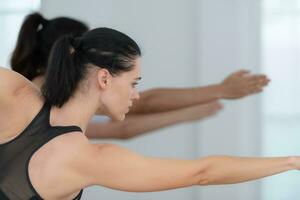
column 118, row 168
column 4, row 78
column 14, row 85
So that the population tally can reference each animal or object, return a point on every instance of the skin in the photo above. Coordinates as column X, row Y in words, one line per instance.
column 72, row 158
column 237, row 85
column 162, row 107
column 136, row 125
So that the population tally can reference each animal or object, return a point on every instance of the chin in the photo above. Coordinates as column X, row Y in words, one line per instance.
column 120, row 117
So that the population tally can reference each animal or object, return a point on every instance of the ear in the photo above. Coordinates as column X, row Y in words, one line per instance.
column 103, row 77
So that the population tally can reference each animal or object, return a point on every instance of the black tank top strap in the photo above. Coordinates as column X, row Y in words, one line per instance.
column 67, row 129
column 78, row 197
column 60, row 130
column 16, row 154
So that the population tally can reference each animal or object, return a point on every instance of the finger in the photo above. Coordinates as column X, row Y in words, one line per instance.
column 214, row 110
column 242, row 72
column 218, row 106
column 215, row 106
column 256, row 77
column 259, row 82
column 254, row 90
column 264, row 82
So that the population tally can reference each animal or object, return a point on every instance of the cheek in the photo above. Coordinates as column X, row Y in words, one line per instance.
column 121, row 92
column 124, row 91
column 125, row 97
column 122, row 96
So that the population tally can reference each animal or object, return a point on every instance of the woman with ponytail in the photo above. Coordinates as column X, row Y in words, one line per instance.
column 44, row 155
column 157, row 108
column 35, row 40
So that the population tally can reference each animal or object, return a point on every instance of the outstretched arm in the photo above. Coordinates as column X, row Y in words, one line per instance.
column 14, row 85
column 237, row 85
column 135, row 125
column 118, row 168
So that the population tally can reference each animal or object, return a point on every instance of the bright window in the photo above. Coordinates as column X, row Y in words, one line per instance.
column 12, row 13
column 281, row 103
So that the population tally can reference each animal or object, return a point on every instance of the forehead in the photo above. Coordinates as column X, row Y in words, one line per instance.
column 136, row 70
column 137, row 66
column 133, row 74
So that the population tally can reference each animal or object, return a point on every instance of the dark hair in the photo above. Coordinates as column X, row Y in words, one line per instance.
column 70, row 57
column 35, row 40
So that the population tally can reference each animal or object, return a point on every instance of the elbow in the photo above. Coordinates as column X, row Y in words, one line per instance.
column 206, row 175
column 202, row 179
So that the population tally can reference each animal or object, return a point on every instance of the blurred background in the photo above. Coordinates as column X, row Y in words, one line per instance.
column 198, row 42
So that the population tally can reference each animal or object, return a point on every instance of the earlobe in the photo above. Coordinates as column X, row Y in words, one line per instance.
column 103, row 78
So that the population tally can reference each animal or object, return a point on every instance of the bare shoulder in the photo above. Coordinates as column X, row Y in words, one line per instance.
column 70, row 146
column 53, row 161
column 74, row 139
column 9, row 76
column 15, row 85
column 20, row 101
column 73, row 158
column 101, row 158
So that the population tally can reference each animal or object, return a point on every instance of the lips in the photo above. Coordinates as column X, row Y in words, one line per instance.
column 128, row 108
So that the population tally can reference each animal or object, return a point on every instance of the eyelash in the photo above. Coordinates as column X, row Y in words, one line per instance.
column 134, row 84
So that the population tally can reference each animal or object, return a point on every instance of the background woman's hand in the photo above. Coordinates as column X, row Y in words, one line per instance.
column 241, row 83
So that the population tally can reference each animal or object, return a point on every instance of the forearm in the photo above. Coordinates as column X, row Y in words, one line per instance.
column 229, row 170
column 165, row 174
column 216, row 170
column 141, row 124
column 237, row 85
column 136, row 125
column 133, row 125
column 166, row 99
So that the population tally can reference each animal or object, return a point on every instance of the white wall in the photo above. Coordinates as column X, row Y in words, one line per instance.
column 186, row 43
column 229, row 40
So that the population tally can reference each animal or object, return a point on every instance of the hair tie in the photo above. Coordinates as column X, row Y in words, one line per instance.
column 44, row 22
column 76, row 43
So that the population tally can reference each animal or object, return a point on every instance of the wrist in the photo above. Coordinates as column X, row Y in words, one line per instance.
column 220, row 90
column 294, row 162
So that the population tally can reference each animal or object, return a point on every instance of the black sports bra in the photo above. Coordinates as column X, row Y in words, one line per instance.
column 15, row 156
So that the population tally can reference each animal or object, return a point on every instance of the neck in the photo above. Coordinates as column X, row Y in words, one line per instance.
column 38, row 81
column 77, row 111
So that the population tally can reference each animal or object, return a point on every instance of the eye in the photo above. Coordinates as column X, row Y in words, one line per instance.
column 134, row 84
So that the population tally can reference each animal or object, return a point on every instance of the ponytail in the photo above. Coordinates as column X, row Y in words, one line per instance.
column 26, row 56
column 64, row 72
column 35, row 40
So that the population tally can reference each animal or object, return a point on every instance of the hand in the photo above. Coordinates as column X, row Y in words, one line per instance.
column 295, row 162
column 242, row 83
column 203, row 110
